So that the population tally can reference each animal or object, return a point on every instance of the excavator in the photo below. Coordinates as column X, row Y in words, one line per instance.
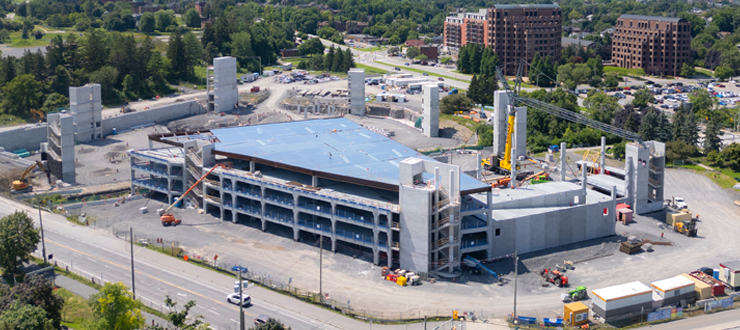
column 22, row 184
column 38, row 115
column 168, row 219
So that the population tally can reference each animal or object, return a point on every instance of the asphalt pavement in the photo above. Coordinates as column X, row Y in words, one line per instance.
column 98, row 254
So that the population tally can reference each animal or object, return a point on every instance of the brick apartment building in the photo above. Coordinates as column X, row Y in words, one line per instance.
column 513, row 31
column 658, row 45
column 465, row 28
column 520, row 31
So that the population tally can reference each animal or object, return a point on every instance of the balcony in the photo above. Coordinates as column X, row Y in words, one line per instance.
column 314, row 207
column 354, row 237
column 355, row 218
column 279, row 199
column 315, row 226
column 249, row 209
column 279, row 217
column 252, row 192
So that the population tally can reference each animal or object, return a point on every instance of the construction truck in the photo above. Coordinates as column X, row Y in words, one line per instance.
column 38, row 115
column 168, row 219
column 687, row 228
column 126, row 109
column 579, row 293
column 495, row 163
column 22, row 184
column 679, row 203
column 554, row 277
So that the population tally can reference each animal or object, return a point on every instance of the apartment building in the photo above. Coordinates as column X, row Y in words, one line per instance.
column 658, row 45
column 520, row 31
column 465, row 28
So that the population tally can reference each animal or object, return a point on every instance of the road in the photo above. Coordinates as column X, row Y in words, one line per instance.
column 97, row 253
column 718, row 321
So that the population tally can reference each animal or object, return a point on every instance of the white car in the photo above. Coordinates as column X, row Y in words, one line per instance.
column 234, row 299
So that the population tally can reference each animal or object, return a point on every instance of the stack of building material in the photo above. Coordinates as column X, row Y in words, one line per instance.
column 677, row 289
column 618, row 300
column 702, row 290
column 672, row 218
column 631, row 246
column 718, row 288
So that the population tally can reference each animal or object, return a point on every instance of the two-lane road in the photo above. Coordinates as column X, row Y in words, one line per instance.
column 99, row 254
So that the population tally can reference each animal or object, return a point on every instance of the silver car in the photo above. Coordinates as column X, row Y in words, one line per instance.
column 234, row 299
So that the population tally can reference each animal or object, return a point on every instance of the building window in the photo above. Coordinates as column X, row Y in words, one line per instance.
column 498, row 231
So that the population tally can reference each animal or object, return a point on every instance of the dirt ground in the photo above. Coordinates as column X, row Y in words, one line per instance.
column 348, row 275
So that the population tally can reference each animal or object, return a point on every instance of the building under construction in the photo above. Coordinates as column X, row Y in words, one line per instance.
column 365, row 191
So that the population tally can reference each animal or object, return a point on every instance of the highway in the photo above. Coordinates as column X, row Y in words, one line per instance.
column 98, row 253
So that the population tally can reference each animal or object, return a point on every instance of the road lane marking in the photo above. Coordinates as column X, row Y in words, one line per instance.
column 152, row 277
column 214, row 312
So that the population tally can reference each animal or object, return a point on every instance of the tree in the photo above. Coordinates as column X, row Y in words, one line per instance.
column 475, row 90
column 413, row 52
column 147, row 23
column 679, row 150
column 702, row 102
column 687, row 70
column 114, row 308
column 601, row 107
column 347, row 61
column 422, row 57
column 596, row 65
column 241, row 47
column 329, row 58
column 311, row 47
column 191, row 18
column 181, row 69
column 731, row 156
column 572, row 75
column 180, row 319
column 54, row 101
column 485, row 134
column 611, row 81
column 455, row 102
column 26, row 317
column 18, row 238
column 619, row 149
column 642, row 98
column 35, row 291
column 107, row 77
column 723, row 72
column 164, row 19
column 394, row 50
column 21, row 94
column 488, row 63
column 712, row 140
column 649, row 127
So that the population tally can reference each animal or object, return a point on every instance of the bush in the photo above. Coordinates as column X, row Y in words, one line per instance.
column 455, row 102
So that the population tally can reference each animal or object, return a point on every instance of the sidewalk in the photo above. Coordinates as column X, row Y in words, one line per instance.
column 85, row 291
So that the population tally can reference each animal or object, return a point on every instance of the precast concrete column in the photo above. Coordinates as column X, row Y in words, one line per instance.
column 314, row 181
column 296, row 230
column 584, row 172
column 220, row 192
column 376, row 242
column 602, row 164
column 513, row 160
column 233, row 202
column 478, row 168
column 435, row 235
column 151, row 144
column 614, row 194
column 563, row 159
column 263, row 205
column 489, row 224
column 251, row 166
column 133, row 175
column 629, row 182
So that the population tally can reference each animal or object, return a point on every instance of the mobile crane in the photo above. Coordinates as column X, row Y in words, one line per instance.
column 503, row 165
column 169, row 218
column 22, row 183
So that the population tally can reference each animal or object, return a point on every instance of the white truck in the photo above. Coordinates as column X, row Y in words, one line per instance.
column 679, row 203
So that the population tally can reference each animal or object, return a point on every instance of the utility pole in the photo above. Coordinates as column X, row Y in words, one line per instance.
column 241, row 300
column 43, row 242
column 133, row 281
column 321, row 254
column 516, row 273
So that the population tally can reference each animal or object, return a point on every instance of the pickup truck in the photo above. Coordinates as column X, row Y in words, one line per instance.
column 679, row 203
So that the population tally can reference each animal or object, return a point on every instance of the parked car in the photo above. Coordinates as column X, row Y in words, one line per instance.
column 721, row 86
column 441, row 79
column 707, row 270
column 424, row 74
column 234, row 299
column 398, row 69
column 407, row 63
column 237, row 268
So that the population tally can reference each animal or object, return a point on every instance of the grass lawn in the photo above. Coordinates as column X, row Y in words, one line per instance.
column 624, row 71
column 76, row 310
column 722, row 176
column 469, row 123
column 371, row 69
column 371, row 49
column 422, row 71
column 703, row 72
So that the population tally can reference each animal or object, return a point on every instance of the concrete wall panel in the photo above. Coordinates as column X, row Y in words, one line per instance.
column 26, row 137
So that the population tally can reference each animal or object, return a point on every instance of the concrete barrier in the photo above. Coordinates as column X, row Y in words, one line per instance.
column 30, row 137
column 165, row 113
column 24, row 137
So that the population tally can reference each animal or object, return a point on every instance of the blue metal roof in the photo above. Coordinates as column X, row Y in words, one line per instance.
column 335, row 146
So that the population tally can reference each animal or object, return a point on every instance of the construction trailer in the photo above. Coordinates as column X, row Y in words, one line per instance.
column 614, row 301
column 674, row 290
column 575, row 313
column 701, row 289
column 728, row 273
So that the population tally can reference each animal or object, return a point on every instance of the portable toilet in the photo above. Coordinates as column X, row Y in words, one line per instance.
column 575, row 313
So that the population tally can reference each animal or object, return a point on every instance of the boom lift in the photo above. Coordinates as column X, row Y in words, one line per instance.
column 169, row 218
column 474, row 263
column 22, row 183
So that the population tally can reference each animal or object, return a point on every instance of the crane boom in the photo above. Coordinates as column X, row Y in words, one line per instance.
column 531, row 103
column 193, row 186
column 506, row 162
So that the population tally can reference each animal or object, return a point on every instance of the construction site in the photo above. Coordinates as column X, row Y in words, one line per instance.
column 266, row 180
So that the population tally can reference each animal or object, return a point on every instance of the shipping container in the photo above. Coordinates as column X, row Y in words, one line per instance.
column 675, row 289
column 575, row 313
column 633, row 297
column 728, row 273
